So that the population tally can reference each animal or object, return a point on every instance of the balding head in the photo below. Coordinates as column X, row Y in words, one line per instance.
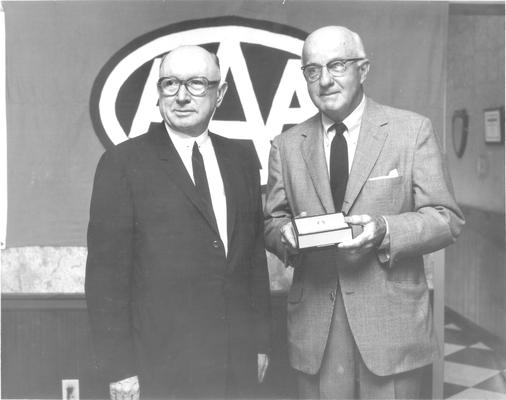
column 335, row 36
column 337, row 56
column 193, row 57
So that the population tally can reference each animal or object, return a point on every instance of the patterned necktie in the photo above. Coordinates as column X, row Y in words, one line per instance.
column 338, row 165
column 200, row 177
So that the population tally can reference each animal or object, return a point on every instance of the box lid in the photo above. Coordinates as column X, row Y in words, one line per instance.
column 319, row 223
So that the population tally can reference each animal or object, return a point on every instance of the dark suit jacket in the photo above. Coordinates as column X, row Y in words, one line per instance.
column 165, row 303
column 398, row 171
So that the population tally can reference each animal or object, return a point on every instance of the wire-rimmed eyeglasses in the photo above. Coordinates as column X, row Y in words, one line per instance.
column 336, row 68
column 196, row 86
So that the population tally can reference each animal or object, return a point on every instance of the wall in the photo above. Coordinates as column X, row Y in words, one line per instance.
column 475, row 268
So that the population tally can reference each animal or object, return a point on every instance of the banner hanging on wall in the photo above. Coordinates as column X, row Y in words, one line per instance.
column 81, row 77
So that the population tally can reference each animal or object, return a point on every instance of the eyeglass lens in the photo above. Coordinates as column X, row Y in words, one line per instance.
column 196, row 86
column 336, row 68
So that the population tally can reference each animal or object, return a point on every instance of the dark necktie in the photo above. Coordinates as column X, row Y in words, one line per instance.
column 200, row 177
column 338, row 165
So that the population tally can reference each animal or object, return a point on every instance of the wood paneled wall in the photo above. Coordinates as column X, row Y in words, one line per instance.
column 47, row 338
column 476, row 272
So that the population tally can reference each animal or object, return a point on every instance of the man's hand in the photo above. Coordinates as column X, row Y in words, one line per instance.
column 288, row 236
column 127, row 389
column 263, row 363
column 371, row 237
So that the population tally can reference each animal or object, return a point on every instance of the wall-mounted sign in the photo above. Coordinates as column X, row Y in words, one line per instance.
column 494, row 125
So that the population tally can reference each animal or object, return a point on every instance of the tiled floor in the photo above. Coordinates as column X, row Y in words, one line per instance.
column 475, row 366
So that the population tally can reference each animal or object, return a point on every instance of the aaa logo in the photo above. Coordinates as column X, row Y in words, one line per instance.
column 259, row 60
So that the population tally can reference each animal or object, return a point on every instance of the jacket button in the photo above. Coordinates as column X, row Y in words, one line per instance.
column 332, row 296
column 216, row 244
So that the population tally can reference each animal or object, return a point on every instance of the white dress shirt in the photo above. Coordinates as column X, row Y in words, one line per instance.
column 353, row 123
column 184, row 146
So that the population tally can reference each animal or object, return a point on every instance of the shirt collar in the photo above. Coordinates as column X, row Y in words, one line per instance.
column 351, row 121
column 183, row 140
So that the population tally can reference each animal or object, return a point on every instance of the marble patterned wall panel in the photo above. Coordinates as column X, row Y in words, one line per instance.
column 43, row 269
column 61, row 270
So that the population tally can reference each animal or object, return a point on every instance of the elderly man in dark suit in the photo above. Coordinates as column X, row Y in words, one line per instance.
column 176, row 279
column 359, row 317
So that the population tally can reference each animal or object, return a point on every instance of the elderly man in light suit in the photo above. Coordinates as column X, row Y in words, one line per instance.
column 359, row 316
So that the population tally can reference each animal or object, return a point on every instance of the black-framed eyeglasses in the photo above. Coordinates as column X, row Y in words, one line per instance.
column 196, row 86
column 336, row 68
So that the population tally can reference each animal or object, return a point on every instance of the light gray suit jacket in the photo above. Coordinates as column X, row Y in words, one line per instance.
column 387, row 301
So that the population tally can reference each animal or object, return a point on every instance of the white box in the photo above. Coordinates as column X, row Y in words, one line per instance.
column 321, row 230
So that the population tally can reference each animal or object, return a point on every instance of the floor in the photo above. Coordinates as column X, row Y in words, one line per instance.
column 475, row 365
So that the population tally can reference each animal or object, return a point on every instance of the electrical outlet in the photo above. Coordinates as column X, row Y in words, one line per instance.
column 70, row 389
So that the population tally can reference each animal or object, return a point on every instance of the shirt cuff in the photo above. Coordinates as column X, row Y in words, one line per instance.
column 384, row 247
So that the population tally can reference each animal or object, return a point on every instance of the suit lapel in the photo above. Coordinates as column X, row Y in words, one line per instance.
column 314, row 157
column 229, row 177
column 373, row 134
column 173, row 165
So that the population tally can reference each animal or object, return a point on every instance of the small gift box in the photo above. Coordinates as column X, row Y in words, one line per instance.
column 321, row 230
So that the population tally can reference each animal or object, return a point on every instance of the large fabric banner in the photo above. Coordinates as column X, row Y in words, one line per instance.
column 81, row 76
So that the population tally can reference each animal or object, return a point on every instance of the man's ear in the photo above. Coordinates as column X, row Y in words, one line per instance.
column 364, row 70
column 221, row 93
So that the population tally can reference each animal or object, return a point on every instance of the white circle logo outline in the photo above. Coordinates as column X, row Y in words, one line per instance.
column 197, row 36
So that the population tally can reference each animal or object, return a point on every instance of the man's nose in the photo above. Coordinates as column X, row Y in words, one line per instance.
column 325, row 78
column 182, row 95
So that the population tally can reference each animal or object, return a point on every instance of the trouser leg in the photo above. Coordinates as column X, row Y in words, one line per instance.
column 406, row 385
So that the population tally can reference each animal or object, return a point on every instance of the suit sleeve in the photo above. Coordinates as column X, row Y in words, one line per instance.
column 436, row 220
column 277, row 211
column 108, row 269
column 261, row 297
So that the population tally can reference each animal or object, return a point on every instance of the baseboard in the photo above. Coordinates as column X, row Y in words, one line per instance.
column 43, row 301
